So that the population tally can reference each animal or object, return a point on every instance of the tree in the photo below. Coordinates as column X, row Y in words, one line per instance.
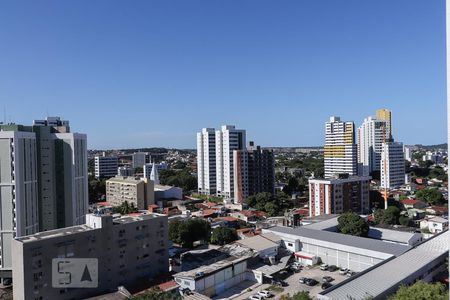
column 157, row 294
column 387, row 216
column 125, row 208
column 188, row 232
column 421, row 290
column 432, row 196
column 404, row 220
column 274, row 205
column 181, row 178
column 223, row 235
column 96, row 188
column 351, row 223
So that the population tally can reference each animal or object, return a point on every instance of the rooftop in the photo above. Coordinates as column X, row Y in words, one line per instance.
column 342, row 239
column 83, row 228
column 260, row 242
column 380, row 279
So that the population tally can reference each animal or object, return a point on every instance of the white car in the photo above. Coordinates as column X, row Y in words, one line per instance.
column 343, row 271
column 324, row 267
column 256, row 297
column 265, row 293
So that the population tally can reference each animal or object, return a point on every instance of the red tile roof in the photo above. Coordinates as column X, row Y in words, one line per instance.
column 168, row 285
column 409, row 201
column 251, row 213
column 103, row 204
column 227, row 219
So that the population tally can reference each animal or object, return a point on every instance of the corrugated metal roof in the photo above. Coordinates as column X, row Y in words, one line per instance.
column 387, row 276
column 342, row 239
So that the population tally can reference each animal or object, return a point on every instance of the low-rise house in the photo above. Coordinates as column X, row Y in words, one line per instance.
column 437, row 210
column 413, row 203
column 415, row 214
column 434, row 224
column 250, row 215
column 248, row 232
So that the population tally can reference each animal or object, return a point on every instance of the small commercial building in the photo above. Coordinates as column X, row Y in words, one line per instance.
column 167, row 192
column 345, row 251
column 422, row 262
column 434, row 224
column 215, row 278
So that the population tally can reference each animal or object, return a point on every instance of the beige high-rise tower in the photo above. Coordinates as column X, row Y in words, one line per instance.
column 385, row 115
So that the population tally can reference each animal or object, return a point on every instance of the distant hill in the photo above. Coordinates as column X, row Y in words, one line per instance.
column 432, row 147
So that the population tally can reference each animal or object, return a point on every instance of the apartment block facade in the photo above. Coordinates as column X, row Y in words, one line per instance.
column 137, row 191
column 228, row 139
column 339, row 195
column 392, row 165
column 138, row 159
column 206, row 161
column 371, row 135
column 340, row 150
column 128, row 249
column 254, row 172
column 44, row 180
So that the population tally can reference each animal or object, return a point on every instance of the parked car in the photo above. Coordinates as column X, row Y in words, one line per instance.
column 256, row 297
column 332, row 268
column 278, row 282
column 326, row 285
column 324, row 267
column 327, row 279
column 343, row 271
column 303, row 279
column 265, row 293
column 350, row 273
column 311, row 282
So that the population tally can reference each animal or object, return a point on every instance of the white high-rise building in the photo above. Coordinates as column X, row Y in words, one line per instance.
column 106, row 166
column 371, row 135
column 18, row 191
column 228, row 138
column 392, row 165
column 340, row 149
column 139, row 159
column 408, row 153
column 206, row 161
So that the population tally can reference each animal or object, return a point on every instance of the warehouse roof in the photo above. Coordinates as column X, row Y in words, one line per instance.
column 380, row 281
column 342, row 239
column 259, row 242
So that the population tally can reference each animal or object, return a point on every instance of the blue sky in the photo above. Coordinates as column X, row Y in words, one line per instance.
column 153, row 73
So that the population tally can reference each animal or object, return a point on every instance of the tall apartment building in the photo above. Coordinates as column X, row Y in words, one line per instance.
column 339, row 195
column 340, row 151
column 392, row 165
column 106, row 166
column 371, row 135
column 127, row 249
column 18, row 192
column 58, row 162
column 206, row 161
column 138, row 159
column 408, row 153
column 138, row 191
column 228, row 139
column 254, row 172
column 385, row 115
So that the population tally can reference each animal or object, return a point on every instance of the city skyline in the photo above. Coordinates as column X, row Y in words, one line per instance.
column 275, row 70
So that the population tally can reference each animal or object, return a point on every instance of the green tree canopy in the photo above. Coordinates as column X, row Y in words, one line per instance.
column 223, row 235
column 303, row 295
column 421, row 291
column 190, row 231
column 431, row 196
column 274, row 205
column 157, row 294
column 180, row 178
column 404, row 220
column 387, row 216
column 125, row 208
column 353, row 224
